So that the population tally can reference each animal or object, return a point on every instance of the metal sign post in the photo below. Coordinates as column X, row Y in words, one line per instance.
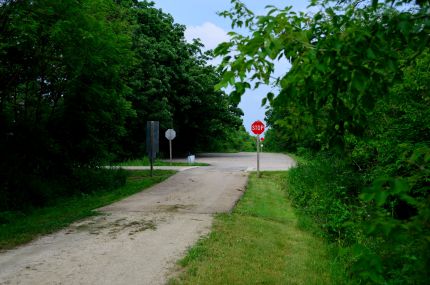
column 261, row 144
column 152, row 145
column 170, row 135
column 258, row 128
column 170, row 151
column 258, row 155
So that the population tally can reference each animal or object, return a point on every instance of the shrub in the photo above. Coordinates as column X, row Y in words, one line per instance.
column 382, row 228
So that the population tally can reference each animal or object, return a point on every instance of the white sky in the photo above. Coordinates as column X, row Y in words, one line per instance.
column 201, row 19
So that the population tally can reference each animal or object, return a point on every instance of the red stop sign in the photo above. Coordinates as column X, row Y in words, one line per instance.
column 257, row 127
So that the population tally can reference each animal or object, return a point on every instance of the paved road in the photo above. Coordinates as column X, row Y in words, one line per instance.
column 139, row 239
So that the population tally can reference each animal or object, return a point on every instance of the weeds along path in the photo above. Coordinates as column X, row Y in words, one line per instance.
column 263, row 241
column 138, row 240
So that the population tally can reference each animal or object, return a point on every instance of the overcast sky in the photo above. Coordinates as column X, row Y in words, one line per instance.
column 201, row 19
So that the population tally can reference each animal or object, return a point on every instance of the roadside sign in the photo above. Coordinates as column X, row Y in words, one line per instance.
column 170, row 134
column 152, row 137
column 257, row 127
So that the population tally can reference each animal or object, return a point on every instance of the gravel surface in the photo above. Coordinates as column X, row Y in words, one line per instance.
column 138, row 240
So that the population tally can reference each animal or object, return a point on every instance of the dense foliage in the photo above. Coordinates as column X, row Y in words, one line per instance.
column 79, row 80
column 357, row 97
column 172, row 83
column 62, row 103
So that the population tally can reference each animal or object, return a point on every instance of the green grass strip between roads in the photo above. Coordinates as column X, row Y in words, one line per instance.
column 145, row 162
column 260, row 243
column 25, row 227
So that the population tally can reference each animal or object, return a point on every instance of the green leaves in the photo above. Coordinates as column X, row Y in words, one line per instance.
column 171, row 82
column 228, row 78
column 269, row 98
column 382, row 188
column 357, row 88
column 223, row 48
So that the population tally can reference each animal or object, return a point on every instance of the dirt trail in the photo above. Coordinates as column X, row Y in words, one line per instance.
column 138, row 240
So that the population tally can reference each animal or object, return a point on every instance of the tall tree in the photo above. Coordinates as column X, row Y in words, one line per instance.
column 172, row 83
column 62, row 100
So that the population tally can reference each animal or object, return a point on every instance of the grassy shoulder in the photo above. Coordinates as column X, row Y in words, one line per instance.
column 300, row 160
column 145, row 162
column 260, row 243
column 22, row 228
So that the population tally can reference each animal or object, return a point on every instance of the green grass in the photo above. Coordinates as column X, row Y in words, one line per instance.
column 145, row 162
column 260, row 243
column 23, row 228
column 300, row 160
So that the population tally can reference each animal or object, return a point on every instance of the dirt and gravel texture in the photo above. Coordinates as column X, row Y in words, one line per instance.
column 139, row 239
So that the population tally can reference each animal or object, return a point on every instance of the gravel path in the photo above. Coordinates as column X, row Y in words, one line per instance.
column 138, row 240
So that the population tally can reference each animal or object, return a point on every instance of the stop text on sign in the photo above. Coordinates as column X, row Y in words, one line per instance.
column 257, row 127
